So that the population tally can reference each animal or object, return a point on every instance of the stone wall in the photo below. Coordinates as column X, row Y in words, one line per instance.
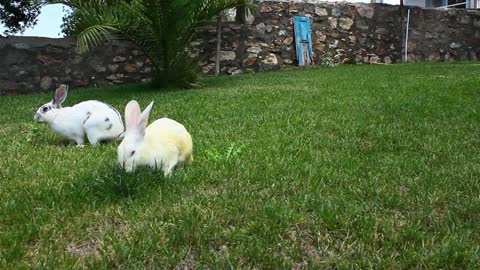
column 341, row 33
column 32, row 64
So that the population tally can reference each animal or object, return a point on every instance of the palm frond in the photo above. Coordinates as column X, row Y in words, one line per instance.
column 93, row 36
column 163, row 29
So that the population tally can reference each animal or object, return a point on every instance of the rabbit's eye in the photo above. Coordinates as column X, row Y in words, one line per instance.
column 44, row 109
column 132, row 153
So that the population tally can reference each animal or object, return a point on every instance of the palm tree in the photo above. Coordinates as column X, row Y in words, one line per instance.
column 163, row 29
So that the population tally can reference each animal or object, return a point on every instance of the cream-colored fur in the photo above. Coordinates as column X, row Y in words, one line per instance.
column 163, row 145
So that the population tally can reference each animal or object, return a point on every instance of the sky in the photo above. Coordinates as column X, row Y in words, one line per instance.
column 48, row 24
column 50, row 20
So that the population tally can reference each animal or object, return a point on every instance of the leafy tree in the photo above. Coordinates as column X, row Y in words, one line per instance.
column 17, row 15
column 69, row 22
column 163, row 29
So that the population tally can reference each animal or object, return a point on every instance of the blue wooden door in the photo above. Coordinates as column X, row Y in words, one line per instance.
column 303, row 40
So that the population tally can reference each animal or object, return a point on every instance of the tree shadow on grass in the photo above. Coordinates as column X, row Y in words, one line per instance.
column 126, row 92
column 113, row 184
column 92, row 191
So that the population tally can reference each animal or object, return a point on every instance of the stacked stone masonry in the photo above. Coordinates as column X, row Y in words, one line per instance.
column 344, row 33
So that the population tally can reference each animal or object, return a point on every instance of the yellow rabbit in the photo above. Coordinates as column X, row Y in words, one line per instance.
column 163, row 145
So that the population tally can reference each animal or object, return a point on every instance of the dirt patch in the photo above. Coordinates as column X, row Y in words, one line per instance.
column 187, row 263
column 84, row 249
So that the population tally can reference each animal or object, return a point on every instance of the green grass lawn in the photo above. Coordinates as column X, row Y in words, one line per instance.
column 349, row 167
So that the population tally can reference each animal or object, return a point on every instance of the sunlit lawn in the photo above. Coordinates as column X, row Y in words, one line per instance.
column 349, row 167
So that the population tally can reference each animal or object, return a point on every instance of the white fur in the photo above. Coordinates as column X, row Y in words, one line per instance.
column 163, row 145
column 92, row 119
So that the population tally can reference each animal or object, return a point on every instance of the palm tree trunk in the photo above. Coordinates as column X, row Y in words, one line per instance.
column 219, row 45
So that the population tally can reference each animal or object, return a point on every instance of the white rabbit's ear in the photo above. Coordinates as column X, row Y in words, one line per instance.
column 143, row 120
column 132, row 113
column 60, row 95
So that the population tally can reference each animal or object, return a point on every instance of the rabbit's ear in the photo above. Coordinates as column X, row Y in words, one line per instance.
column 60, row 95
column 143, row 120
column 132, row 113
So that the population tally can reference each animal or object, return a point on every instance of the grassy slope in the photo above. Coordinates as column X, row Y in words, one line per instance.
column 357, row 166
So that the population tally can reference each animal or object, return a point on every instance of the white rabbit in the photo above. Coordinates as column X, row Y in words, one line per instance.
column 163, row 145
column 95, row 119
